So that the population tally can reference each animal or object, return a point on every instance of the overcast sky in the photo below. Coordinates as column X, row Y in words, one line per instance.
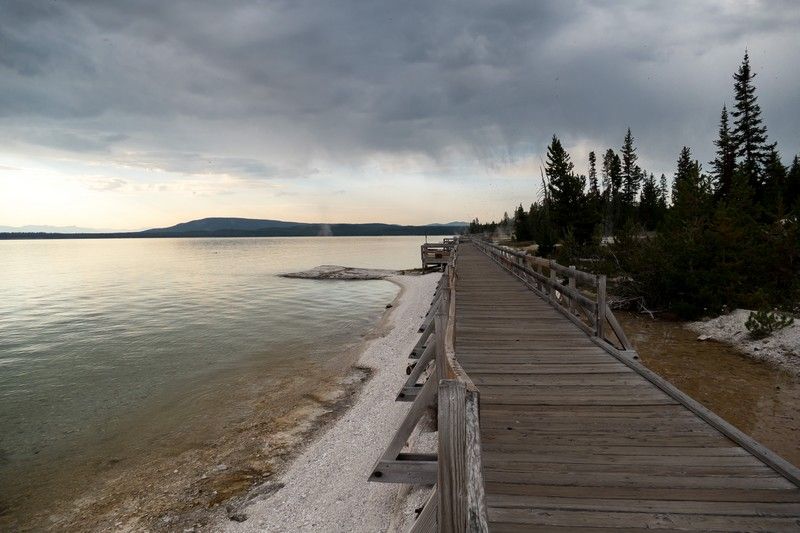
column 145, row 113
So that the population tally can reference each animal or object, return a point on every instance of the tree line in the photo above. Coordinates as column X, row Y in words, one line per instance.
column 723, row 237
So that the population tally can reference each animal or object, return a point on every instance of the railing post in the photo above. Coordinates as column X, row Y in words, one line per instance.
column 451, row 475
column 600, row 323
column 476, row 497
column 553, row 281
column 440, row 327
column 572, row 285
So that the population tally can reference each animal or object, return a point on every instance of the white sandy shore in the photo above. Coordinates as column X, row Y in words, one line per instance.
column 782, row 348
column 326, row 487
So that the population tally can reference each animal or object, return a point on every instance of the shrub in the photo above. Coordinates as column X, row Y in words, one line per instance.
column 760, row 324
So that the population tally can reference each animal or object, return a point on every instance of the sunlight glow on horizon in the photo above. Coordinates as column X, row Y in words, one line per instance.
column 60, row 194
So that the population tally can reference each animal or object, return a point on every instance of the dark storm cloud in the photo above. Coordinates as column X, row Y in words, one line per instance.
column 198, row 164
column 274, row 84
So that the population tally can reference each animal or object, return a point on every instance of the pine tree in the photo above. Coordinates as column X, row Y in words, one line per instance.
column 612, row 194
column 558, row 165
column 663, row 190
column 475, row 225
column 616, row 177
column 791, row 194
column 594, row 201
column 689, row 189
column 724, row 165
column 630, row 176
column 544, row 230
column 594, row 190
column 749, row 134
column 775, row 174
column 612, row 173
column 521, row 227
column 565, row 188
column 649, row 203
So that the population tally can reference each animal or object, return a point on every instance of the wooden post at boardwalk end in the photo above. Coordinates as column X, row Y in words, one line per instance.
column 600, row 322
column 553, row 282
column 476, row 499
column 451, row 476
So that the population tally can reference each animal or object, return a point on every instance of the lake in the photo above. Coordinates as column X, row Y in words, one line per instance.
column 116, row 349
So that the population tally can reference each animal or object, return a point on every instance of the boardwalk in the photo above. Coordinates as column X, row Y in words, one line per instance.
column 572, row 438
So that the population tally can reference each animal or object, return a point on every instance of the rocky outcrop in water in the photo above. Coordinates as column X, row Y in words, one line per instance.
column 341, row 272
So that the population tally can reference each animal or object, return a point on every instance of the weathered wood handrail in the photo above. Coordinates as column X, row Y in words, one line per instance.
column 458, row 502
column 591, row 313
column 460, row 484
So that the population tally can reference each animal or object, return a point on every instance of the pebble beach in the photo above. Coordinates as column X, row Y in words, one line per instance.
column 325, row 488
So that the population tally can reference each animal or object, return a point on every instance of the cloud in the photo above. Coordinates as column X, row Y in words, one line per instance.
column 197, row 164
column 104, row 183
column 273, row 89
column 75, row 141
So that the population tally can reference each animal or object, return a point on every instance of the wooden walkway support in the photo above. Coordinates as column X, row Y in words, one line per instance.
column 547, row 421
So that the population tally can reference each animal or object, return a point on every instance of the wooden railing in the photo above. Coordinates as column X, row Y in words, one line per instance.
column 437, row 253
column 457, row 502
column 579, row 295
column 461, row 505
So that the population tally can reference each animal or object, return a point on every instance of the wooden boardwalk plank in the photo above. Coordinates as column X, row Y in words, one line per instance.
column 611, row 519
column 574, row 439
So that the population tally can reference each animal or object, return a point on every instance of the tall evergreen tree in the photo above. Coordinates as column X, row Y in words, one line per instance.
column 594, row 200
column 791, row 194
column 521, row 225
column 612, row 173
column 543, row 227
column 475, row 225
column 594, row 190
column 749, row 134
column 689, row 187
column 724, row 164
column 649, row 209
column 612, row 192
column 663, row 190
column 775, row 174
column 631, row 177
column 565, row 188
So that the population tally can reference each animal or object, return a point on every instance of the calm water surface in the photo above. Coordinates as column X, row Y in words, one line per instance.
column 114, row 346
column 758, row 398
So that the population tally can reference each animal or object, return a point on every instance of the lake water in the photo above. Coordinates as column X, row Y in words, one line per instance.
column 110, row 348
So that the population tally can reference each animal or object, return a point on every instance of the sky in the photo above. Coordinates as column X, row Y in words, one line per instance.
column 128, row 115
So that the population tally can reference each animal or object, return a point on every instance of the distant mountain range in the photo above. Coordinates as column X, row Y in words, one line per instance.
column 237, row 227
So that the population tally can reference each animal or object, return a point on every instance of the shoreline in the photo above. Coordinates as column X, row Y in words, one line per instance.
column 781, row 348
column 325, row 487
column 189, row 488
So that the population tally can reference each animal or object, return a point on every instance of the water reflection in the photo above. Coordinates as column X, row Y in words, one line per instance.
column 121, row 348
